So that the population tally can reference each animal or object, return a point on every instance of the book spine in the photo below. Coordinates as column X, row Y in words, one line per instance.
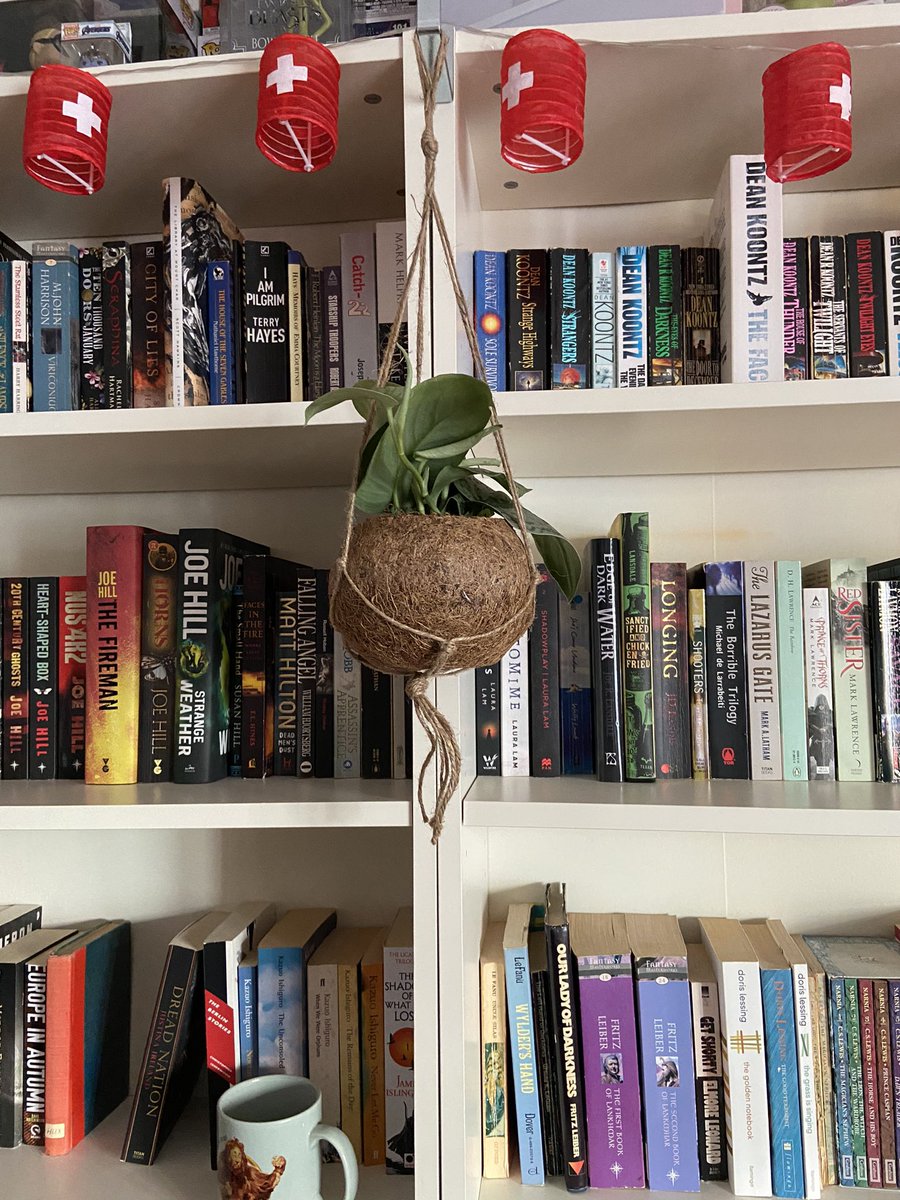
column 700, row 314
column 894, row 1007
column 669, row 657
column 6, row 354
column 851, row 671
column 315, row 334
column 807, row 1073
column 567, row 1058
column 22, row 373
column 323, row 737
column 545, row 744
column 43, row 709
column 527, row 294
column 372, row 1042
column 884, row 599
column 34, row 1069
column 334, row 329
column 265, row 311
column 819, row 698
column 359, row 306
column 726, row 684
column 220, row 325
column 764, row 717
column 286, row 683
column 744, row 1065
column 796, row 308
column 376, row 756
column 296, row 364
column 324, row 1044
column 347, row 712
column 885, row 1083
column 487, row 720
column 604, row 586
column 549, row 1086
column 399, row 1034
column 494, row 1087
column 147, row 319
column 56, row 323
column 665, row 353
column 247, row 1020
column 570, row 321
column 65, row 1116
column 791, row 694
column 114, row 599
column 784, row 1091
column 281, row 1011
column 710, row 1084
column 828, row 307
column 825, row 1091
column 857, row 1097
column 490, row 316
column 631, row 316
column 117, row 324
column 699, row 704
column 307, row 602
column 399, row 748
column 348, row 1029
column 514, row 739
column 11, row 1054
column 866, row 305
column 93, row 368
column 173, row 332
column 603, row 319
column 159, row 631
column 15, row 742
column 236, row 702
column 640, row 755
column 390, row 262
column 870, row 1082
column 253, row 669
column 892, row 296
column 840, row 1052
column 575, row 687
column 524, row 1065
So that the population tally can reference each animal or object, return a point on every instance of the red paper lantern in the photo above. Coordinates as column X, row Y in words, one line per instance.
column 806, row 111
column 542, row 78
column 66, row 128
column 298, row 103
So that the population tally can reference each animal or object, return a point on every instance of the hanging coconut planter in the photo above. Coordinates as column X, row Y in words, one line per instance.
column 435, row 575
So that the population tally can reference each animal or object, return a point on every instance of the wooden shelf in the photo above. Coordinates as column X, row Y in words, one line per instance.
column 181, row 1172
column 706, row 72
column 682, row 806
column 197, row 117
column 228, row 804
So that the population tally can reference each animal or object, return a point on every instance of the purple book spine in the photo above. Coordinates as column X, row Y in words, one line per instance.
column 611, row 1078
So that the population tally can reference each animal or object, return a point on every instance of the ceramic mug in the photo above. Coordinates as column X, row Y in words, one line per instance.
column 269, row 1134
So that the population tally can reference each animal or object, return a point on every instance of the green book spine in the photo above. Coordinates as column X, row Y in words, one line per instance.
column 857, row 1105
column 791, row 687
column 633, row 531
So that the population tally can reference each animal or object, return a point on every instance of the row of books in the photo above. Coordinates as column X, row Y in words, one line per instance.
column 748, row 306
column 729, row 670
column 308, row 998
column 200, row 317
column 632, row 1053
column 188, row 657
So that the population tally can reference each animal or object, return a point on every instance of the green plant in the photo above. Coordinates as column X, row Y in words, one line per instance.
column 416, row 459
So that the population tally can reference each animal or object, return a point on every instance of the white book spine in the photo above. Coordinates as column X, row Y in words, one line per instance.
column 514, row 709
column 324, row 1043
column 398, row 726
column 603, row 320
column 399, row 1079
column 347, row 712
column 762, row 670
column 20, row 336
column 746, row 228
column 819, row 693
column 358, row 297
column 390, row 261
column 809, row 1128
column 892, row 293
column 631, row 316
column 175, row 377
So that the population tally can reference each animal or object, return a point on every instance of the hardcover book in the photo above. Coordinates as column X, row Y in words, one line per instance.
column 819, row 695
column 697, row 664
column 710, row 1078
column 523, row 1044
column 700, row 314
column 527, row 293
column 55, row 328
column 791, row 683
column 633, row 533
column 631, row 316
column 866, row 305
column 603, row 319
column 665, row 358
column 159, row 625
column 399, row 1025
column 93, row 367
column 43, row 707
column 892, row 297
column 575, row 685
column 764, row 716
column 796, row 308
column 359, row 300
column 494, row 1086
column 828, row 307
column 570, row 319
column 487, row 720
column 514, row 739
column 371, row 1016
column 72, row 675
column 545, row 743
column 376, row 745
column 726, row 684
column 264, row 282
column 604, row 588
column 390, row 280
column 117, row 324
column 671, row 709
column 15, row 637
column 148, row 344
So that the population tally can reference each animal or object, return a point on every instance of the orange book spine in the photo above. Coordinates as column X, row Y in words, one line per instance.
column 65, row 1052
column 372, row 1038
column 114, row 599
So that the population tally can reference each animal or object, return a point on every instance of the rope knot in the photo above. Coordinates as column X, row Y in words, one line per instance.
column 429, row 145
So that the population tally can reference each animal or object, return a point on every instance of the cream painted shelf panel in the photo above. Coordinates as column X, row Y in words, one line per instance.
column 512, row 1189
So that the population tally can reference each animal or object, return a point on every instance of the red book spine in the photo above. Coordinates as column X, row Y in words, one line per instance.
column 72, row 666
column 65, row 1052
column 870, row 1081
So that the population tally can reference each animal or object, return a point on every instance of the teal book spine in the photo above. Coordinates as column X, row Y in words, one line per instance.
column 840, row 1059
column 55, row 328
column 525, row 1074
column 791, row 683
column 783, row 1080
column 857, row 1104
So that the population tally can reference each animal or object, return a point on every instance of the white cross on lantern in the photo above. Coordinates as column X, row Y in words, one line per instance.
column 516, row 83
column 842, row 96
column 285, row 75
column 82, row 113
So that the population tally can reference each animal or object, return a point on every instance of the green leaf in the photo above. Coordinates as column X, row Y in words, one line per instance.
column 444, row 478
column 504, row 482
column 376, row 486
column 454, row 448
column 368, row 450
column 388, row 396
column 365, row 392
column 445, row 410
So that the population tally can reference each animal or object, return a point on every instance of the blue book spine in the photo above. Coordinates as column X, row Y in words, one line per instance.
column 575, row 686
column 667, row 1079
column 490, row 315
column 248, row 1033
column 525, row 1076
column 784, row 1082
column 221, row 333
column 281, row 993
column 6, row 359
column 55, row 328
column 840, row 1059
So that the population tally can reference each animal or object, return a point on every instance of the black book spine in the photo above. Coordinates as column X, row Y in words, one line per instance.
column 147, row 345
column 545, row 742
column 700, row 314
column 726, row 672
column 253, row 669
column 884, row 599
column 159, row 633
column 570, row 319
column 487, row 720
column 665, row 349
column 307, row 602
column 15, row 679
column 377, row 744
column 34, row 1067
column 11, row 1048
column 43, row 656
column 315, row 335
column 549, row 1090
column 93, row 379
column 266, row 323
column 117, row 324
column 72, row 677
column 323, row 736
column 334, row 335
column 16, row 928
column 567, row 1057
column 867, row 305
column 286, row 724
column 828, row 307
column 796, row 308
column 235, row 735
column 711, row 1128
column 528, row 330
column 606, row 659
column 671, row 703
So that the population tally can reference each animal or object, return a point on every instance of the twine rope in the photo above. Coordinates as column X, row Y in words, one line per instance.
column 443, row 745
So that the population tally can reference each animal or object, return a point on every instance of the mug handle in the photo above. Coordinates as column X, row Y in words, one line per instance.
column 341, row 1143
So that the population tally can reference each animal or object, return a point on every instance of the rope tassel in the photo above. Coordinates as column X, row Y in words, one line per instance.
column 443, row 747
